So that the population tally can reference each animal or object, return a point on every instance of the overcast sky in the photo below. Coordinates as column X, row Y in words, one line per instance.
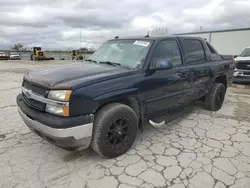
column 55, row 24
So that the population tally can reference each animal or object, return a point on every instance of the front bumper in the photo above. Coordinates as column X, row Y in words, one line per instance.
column 71, row 137
column 241, row 75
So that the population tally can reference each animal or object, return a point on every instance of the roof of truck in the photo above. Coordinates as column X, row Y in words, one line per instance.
column 152, row 37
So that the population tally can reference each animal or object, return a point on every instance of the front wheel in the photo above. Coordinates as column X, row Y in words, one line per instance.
column 115, row 130
column 215, row 97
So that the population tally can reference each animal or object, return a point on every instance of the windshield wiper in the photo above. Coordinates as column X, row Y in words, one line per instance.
column 110, row 63
column 91, row 60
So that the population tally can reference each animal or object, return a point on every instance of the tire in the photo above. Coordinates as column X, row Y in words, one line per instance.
column 215, row 97
column 114, row 123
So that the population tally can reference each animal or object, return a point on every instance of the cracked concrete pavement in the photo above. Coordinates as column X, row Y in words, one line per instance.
column 199, row 149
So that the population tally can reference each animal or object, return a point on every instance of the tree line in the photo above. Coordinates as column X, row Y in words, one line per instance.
column 20, row 48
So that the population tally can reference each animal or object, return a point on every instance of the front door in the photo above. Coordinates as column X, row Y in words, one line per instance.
column 167, row 88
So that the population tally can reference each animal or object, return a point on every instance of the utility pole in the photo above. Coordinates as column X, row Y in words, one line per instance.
column 80, row 37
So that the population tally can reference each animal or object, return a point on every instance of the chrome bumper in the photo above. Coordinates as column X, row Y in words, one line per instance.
column 241, row 73
column 79, row 136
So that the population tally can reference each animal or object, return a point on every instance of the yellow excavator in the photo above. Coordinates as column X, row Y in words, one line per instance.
column 38, row 54
column 76, row 55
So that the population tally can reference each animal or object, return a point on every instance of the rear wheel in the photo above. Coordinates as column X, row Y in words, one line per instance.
column 115, row 130
column 215, row 97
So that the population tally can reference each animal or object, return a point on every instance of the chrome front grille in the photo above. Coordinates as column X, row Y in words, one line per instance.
column 244, row 65
column 33, row 103
column 34, row 89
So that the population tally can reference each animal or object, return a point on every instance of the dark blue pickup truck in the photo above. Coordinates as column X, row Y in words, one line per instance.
column 104, row 100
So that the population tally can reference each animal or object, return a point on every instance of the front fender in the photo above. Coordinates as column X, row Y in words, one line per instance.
column 117, row 94
column 89, row 98
column 84, row 104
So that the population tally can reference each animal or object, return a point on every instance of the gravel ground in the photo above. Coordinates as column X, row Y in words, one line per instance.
column 200, row 149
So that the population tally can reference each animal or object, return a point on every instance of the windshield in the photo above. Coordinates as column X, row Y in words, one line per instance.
column 245, row 53
column 126, row 53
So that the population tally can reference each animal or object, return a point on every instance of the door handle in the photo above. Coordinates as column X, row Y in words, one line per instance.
column 181, row 74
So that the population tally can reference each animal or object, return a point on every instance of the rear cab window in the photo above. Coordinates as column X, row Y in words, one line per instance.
column 215, row 56
column 211, row 48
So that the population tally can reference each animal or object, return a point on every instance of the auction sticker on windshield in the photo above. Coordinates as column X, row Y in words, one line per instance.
column 141, row 43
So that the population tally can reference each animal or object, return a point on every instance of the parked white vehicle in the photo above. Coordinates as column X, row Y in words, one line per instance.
column 242, row 69
column 15, row 56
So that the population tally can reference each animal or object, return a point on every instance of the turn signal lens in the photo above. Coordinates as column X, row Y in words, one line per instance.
column 66, row 111
column 67, row 97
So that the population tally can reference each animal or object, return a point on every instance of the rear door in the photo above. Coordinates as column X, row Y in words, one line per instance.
column 167, row 88
column 198, row 63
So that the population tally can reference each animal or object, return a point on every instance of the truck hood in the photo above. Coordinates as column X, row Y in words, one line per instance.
column 242, row 58
column 75, row 74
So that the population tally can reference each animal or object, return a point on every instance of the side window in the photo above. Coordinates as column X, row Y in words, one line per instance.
column 168, row 49
column 193, row 50
column 212, row 50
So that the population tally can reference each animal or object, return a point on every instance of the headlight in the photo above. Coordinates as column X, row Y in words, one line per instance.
column 60, row 109
column 60, row 95
column 57, row 110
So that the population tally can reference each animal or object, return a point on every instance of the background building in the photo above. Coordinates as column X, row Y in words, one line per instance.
column 225, row 41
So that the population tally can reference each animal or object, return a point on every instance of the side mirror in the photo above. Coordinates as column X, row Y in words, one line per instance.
column 162, row 64
column 235, row 56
